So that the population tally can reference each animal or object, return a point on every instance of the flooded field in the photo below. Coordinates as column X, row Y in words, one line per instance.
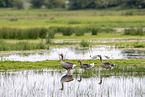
column 109, row 52
column 55, row 83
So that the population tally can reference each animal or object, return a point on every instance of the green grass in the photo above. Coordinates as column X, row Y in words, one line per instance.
column 6, row 65
column 47, row 18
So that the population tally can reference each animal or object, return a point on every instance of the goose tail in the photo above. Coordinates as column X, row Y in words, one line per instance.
column 74, row 65
column 92, row 65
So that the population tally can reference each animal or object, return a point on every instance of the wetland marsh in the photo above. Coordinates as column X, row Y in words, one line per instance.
column 30, row 64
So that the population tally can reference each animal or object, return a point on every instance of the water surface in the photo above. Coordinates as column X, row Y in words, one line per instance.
column 55, row 83
column 76, row 53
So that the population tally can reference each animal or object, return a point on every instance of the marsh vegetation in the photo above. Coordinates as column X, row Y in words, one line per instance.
column 32, row 39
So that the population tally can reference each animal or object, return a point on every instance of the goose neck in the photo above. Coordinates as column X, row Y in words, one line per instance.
column 80, row 63
column 100, row 60
column 61, row 58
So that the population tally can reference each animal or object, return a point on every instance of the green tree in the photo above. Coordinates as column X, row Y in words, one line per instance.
column 9, row 3
column 142, row 4
column 2, row 3
column 37, row 3
column 55, row 3
column 19, row 4
column 82, row 4
column 106, row 3
column 133, row 3
column 6, row 3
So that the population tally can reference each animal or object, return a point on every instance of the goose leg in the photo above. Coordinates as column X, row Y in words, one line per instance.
column 68, row 71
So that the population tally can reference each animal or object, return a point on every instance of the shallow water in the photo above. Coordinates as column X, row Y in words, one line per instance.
column 48, row 83
column 76, row 53
column 101, row 40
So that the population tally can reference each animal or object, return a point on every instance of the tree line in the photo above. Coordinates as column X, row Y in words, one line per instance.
column 73, row 4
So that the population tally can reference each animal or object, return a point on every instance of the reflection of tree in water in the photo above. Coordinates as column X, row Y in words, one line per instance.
column 66, row 78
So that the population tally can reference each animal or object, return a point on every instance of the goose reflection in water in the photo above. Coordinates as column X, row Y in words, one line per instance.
column 66, row 78
column 83, row 76
column 101, row 77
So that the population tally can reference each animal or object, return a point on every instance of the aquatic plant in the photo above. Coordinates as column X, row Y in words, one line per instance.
column 84, row 43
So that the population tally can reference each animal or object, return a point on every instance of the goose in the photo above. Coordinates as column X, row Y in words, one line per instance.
column 85, row 66
column 66, row 78
column 66, row 65
column 106, row 65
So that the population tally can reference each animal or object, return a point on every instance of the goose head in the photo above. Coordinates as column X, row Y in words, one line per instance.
column 99, row 56
column 61, row 54
column 79, row 60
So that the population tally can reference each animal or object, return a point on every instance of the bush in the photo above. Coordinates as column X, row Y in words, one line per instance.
column 84, row 43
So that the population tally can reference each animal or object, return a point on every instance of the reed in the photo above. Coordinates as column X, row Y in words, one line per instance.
column 79, row 31
column 66, row 31
column 17, row 33
column 134, row 31
column 4, row 46
column 94, row 30
column 107, row 30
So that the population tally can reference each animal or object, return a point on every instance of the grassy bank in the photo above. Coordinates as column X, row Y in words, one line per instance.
column 7, row 65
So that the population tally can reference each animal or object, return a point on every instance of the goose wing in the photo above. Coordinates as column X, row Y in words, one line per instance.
column 67, row 65
column 85, row 65
column 108, row 64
